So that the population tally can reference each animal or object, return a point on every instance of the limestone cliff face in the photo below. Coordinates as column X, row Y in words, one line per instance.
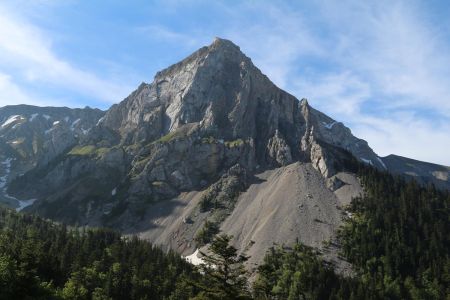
column 218, row 92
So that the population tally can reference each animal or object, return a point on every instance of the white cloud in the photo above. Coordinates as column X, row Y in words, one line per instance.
column 27, row 51
column 407, row 136
column 341, row 93
column 163, row 33
column 276, row 41
column 11, row 94
column 397, row 50
column 378, row 62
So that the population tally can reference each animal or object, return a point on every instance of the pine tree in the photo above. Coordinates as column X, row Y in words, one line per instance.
column 224, row 273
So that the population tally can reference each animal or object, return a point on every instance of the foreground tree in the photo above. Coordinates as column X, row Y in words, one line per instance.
column 225, row 275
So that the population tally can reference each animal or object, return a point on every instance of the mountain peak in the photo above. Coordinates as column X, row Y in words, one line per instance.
column 216, row 52
column 219, row 91
column 220, row 43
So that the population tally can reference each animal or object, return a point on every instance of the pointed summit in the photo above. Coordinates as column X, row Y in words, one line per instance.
column 217, row 86
column 219, row 50
column 223, row 52
column 220, row 43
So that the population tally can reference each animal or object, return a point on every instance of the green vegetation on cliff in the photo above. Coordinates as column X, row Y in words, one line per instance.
column 88, row 150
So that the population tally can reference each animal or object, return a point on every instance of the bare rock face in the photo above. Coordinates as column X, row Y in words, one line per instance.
column 218, row 89
column 423, row 172
column 32, row 137
column 279, row 150
column 218, row 92
column 38, row 134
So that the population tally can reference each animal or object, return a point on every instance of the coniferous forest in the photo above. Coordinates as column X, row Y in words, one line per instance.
column 43, row 260
column 396, row 237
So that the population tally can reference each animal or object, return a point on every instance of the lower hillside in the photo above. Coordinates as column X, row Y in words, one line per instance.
column 43, row 260
column 396, row 236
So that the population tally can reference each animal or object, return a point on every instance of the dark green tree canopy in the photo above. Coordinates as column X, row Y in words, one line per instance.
column 225, row 275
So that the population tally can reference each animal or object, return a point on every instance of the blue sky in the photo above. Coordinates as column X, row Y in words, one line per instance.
column 381, row 67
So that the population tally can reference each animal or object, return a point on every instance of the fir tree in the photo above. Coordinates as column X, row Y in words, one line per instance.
column 224, row 273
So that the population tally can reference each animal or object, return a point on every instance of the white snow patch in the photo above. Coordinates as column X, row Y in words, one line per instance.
column 3, row 179
column 2, row 182
column 66, row 119
column 114, row 192
column 329, row 125
column 194, row 259
column 15, row 142
column 33, row 116
column 7, row 164
column 100, row 120
column 72, row 127
column 12, row 119
column 56, row 123
column 382, row 163
column 46, row 117
column 24, row 203
column 367, row 161
column 48, row 130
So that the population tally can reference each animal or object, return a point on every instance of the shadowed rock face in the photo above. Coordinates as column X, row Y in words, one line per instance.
column 37, row 134
column 421, row 171
column 32, row 137
column 202, row 142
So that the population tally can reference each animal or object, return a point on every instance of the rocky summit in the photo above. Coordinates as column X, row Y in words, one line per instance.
column 211, row 145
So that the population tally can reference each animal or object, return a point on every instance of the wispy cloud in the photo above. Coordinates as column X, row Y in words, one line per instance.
column 342, row 93
column 396, row 49
column 11, row 93
column 26, row 52
column 406, row 135
column 382, row 68
column 163, row 33
column 405, row 63
column 275, row 40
